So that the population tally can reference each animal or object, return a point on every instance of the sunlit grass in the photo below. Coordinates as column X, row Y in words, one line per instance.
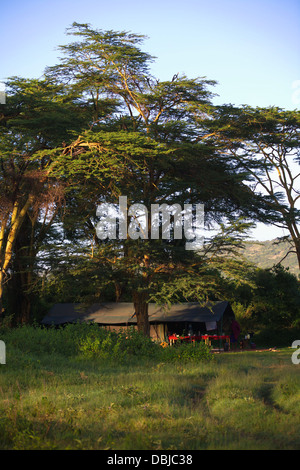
column 248, row 400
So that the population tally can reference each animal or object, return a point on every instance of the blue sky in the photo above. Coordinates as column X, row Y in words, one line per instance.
column 250, row 47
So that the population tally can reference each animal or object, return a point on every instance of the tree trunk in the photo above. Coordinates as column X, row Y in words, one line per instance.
column 295, row 235
column 22, row 266
column 19, row 298
column 17, row 218
column 141, row 310
column 118, row 291
column 297, row 246
column 1, row 292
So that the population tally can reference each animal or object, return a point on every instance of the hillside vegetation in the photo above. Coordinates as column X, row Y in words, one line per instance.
column 267, row 253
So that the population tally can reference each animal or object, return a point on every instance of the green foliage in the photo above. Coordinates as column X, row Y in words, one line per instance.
column 99, row 125
column 188, row 352
column 276, row 299
column 39, row 114
column 240, row 312
column 103, row 344
column 89, row 341
column 264, row 142
column 271, row 300
column 270, row 337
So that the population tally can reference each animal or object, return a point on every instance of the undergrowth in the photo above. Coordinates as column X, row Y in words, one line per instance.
column 91, row 341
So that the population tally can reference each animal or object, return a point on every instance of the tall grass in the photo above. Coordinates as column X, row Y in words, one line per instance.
column 60, row 389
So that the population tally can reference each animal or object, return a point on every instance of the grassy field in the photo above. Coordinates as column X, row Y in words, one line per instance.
column 51, row 399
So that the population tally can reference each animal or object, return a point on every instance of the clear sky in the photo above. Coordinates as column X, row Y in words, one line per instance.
column 250, row 47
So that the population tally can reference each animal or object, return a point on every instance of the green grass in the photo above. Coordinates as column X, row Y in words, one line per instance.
column 54, row 396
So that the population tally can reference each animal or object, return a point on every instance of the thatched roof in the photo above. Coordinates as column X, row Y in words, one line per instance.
column 123, row 313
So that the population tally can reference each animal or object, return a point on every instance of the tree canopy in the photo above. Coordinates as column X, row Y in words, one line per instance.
column 99, row 126
column 265, row 143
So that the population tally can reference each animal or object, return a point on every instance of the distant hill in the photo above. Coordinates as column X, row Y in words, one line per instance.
column 266, row 254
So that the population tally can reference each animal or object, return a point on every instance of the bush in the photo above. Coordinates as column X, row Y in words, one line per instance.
column 188, row 352
column 276, row 299
column 42, row 340
column 91, row 341
column 134, row 343
column 275, row 337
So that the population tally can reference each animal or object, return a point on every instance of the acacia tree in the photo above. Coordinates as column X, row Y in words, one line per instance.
column 148, row 269
column 151, row 150
column 110, row 65
column 265, row 143
column 38, row 115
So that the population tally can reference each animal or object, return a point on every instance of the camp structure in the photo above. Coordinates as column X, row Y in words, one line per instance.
column 183, row 318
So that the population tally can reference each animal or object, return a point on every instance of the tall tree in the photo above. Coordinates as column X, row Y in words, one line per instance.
column 147, row 172
column 152, row 150
column 265, row 143
column 111, row 65
column 37, row 115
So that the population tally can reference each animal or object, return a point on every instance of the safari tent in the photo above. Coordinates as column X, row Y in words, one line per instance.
column 179, row 318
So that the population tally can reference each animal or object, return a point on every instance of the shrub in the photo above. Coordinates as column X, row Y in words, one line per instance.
column 135, row 343
column 188, row 352
column 271, row 337
column 91, row 341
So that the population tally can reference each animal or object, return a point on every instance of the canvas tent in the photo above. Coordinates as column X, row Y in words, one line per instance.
column 176, row 319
